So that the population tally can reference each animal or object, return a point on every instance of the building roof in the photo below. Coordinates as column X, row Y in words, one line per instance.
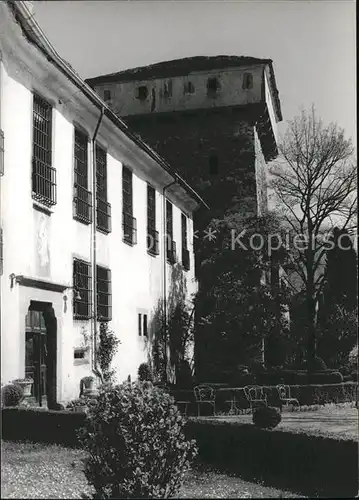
column 185, row 66
column 35, row 35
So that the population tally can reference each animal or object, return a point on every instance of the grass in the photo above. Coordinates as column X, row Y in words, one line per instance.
column 34, row 470
column 336, row 421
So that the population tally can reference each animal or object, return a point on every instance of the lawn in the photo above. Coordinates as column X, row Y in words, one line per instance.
column 339, row 422
column 34, row 470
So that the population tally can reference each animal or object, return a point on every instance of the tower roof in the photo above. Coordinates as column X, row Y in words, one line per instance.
column 185, row 66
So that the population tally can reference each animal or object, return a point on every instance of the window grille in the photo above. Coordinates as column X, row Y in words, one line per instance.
column 103, row 209
column 152, row 234
column 170, row 244
column 43, row 174
column 129, row 223
column 185, row 252
column 82, row 196
column 81, row 289
column 104, row 297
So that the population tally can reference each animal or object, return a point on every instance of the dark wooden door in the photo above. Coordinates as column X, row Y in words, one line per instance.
column 36, row 353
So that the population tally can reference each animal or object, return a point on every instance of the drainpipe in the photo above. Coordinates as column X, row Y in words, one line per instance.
column 164, row 296
column 93, row 253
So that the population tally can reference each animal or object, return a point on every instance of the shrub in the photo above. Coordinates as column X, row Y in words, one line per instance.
column 83, row 401
column 266, row 417
column 144, row 373
column 135, row 443
column 11, row 395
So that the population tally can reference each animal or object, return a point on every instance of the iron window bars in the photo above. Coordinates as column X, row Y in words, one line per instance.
column 103, row 209
column 82, row 196
column 152, row 234
column 185, row 252
column 129, row 223
column 170, row 244
column 43, row 174
column 104, row 296
column 82, row 286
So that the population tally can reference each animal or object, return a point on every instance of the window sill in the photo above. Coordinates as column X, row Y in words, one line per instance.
column 42, row 208
column 152, row 254
column 129, row 243
column 78, row 362
column 103, row 231
column 83, row 221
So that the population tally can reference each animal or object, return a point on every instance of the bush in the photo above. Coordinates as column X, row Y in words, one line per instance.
column 144, row 373
column 266, row 417
column 135, row 441
column 11, row 395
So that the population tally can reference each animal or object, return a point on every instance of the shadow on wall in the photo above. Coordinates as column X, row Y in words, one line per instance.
column 171, row 334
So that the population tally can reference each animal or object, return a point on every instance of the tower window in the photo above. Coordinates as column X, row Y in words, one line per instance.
column 167, row 89
column 142, row 93
column 107, row 95
column 212, row 86
column 247, row 81
column 188, row 88
column 213, row 164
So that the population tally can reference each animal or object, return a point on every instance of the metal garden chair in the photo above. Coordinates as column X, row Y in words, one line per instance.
column 255, row 396
column 285, row 397
column 205, row 394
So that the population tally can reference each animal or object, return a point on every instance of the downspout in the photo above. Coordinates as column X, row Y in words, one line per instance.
column 93, row 256
column 164, row 288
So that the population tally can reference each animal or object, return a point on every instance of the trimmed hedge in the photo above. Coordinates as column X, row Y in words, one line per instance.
column 308, row 464
column 44, row 426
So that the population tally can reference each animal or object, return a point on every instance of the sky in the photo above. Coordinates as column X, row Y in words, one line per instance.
column 312, row 43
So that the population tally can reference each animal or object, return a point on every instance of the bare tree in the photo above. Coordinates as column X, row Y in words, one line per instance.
column 315, row 184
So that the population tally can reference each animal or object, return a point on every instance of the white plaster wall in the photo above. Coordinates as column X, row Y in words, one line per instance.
column 136, row 276
column 269, row 101
column 124, row 101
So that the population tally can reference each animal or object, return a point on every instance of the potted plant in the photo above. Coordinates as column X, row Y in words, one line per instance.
column 25, row 384
column 87, row 385
column 79, row 405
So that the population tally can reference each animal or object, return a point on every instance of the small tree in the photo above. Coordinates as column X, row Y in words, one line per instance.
column 106, row 350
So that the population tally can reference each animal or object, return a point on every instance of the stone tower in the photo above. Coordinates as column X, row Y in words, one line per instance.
column 213, row 118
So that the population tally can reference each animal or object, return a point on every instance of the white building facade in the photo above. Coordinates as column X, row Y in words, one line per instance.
column 89, row 214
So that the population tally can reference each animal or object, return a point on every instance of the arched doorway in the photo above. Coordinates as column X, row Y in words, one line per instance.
column 41, row 351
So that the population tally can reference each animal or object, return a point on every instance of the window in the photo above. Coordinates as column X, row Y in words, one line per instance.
column 188, row 88
column 213, row 164
column 185, row 252
column 79, row 353
column 142, row 325
column 103, row 209
column 142, row 93
column 145, row 325
column 107, row 95
column 104, row 303
column 81, row 289
column 167, row 89
column 82, row 196
column 43, row 174
column 247, row 81
column 152, row 234
column 212, row 86
column 139, row 325
column 129, row 223
column 170, row 244
column 2, row 149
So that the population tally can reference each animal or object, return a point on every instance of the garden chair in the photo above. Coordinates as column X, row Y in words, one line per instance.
column 285, row 397
column 205, row 394
column 255, row 396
